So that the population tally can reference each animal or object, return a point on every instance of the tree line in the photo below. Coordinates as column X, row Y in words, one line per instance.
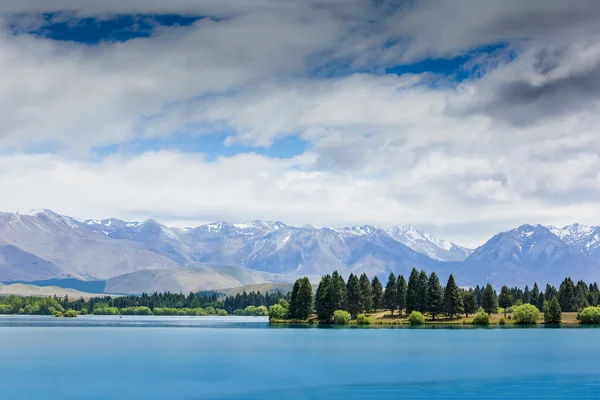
column 425, row 293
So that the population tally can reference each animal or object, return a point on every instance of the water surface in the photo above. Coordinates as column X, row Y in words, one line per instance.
column 242, row 358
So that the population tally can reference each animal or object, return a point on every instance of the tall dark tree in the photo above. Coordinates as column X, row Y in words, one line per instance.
column 401, row 294
column 422, row 292
column 504, row 300
column 469, row 302
column 323, row 302
column 377, row 294
column 526, row 296
column 305, row 299
column 566, row 295
column 411, row 291
column 353, row 291
column 366, row 293
column 478, row 293
column 389, row 296
column 489, row 299
column 550, row 292
column 293, row 309
column 452, row 301
column 540, row 301
column 552, row 312
column 337, row 292
column 535, row 293
column 435, row 296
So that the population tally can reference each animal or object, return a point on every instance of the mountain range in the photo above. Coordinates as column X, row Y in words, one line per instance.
column 136, row 257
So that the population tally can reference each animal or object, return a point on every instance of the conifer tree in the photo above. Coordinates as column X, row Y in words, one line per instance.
column 293, row 310
column 377, row 294
column 552, row 312
column 526, row 296
column 452, row 300
column 435, row 296
column 566, row 295
column 489, row 300
column 337, row 292
column 305, row 299
column 390, row 296
column 411, row 291
column 422, row 292
column 540, row 301
column 353, row 291
column 535, row 293
column 323, row 303
column 469, row 302
column 504, row 299
column 366, row 293
column 401, row 294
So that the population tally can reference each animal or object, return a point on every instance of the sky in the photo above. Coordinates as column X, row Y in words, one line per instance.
column 462, row 117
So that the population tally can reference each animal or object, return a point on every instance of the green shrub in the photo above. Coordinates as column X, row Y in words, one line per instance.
column 5, row 309
column 210, row 310
column 526, row 314
column 481, row 318
column 416, row 318
column 589, row 316
column 83, row 311
column 70, row 313
column 223, row 313
column 361, row 319
column 57, row 314
column 341, row 317
column 276, row 311
column 502, row 321
column 106, row 311
column 200, row 312
column 238, row 312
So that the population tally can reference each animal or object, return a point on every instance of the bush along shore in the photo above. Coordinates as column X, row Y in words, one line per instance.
column 422, row 300
column 157, row 304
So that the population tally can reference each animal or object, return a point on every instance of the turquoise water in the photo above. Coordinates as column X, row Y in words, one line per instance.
column 242, row 358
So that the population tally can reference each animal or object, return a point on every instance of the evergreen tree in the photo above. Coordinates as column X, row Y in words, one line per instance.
column 452, row 301
column 489, row 300
column 540, row 301
column 401, row 294
column 478, row 293
column 526, row 295
column 550, row 292
column 435, row 296
column 337, row 292
column 470, row 302
column 323, row 302
column 504, row 299
column 305, row 299
column 422, row 292
column 353, row 291
column 552, row 312
column 411, row 291
column 377, row 294
column 566, row 295
column 366, row 293
column 535, row 293
column 389, row 297
column 293, row 310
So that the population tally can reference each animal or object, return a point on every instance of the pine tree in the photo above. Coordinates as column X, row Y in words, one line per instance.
column 323, row 302
column 389, row 296
column 526, row 296
column 377, row 294
column 540, row 301
column 435, row 296
column 535, row 293
column 422, row 292
column 489, row 300
column 366, row 293
column 504, row 300
column 470, row 302
column 411, row 291
column 566, row 295
column 305, row 299
column 452, row 300
column 552, row 312
column 353, row 291
column 401, row 294
column 293, row 310
column 337, row 292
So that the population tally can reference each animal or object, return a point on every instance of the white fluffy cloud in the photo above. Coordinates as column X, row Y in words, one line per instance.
column 518, row 145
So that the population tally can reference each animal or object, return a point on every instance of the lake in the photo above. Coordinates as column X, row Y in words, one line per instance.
column 243, row 358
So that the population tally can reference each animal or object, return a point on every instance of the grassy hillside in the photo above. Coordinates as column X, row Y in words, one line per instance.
column 20, row 289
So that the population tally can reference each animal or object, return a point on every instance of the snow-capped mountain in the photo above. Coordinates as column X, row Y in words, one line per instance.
column 428, row 244
column 585, row 238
